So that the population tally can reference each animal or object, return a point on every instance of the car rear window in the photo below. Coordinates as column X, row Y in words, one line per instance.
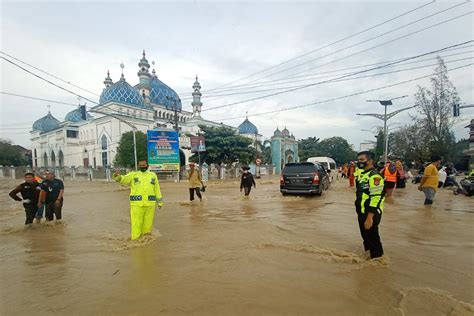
column 303, row 168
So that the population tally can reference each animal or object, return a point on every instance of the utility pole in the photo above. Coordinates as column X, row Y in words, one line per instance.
column 385, row 117
column 175, row 108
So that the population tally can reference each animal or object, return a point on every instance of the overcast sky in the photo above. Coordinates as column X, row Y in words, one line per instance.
column 225, row 41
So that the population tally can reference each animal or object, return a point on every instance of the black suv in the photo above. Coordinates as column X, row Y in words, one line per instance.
column 304, row 178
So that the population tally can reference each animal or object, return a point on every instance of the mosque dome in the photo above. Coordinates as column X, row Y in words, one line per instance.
column 75, row 116
column 122, row 92
column 46, row 123
column 285, row 132
column 277, row 132
column 158, row 93
column 247, row 127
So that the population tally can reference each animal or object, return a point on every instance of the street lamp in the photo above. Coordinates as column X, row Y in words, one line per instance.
column 385, row 117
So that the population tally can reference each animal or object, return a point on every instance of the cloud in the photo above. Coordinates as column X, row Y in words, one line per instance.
column 222, row 42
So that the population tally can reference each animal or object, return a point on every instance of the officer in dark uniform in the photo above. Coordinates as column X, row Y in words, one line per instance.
column 369, row 202
column 29, row 191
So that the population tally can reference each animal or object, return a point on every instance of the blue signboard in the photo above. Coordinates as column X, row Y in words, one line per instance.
column 163, row 150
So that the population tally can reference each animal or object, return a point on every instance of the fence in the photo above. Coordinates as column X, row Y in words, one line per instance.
column 214, row 172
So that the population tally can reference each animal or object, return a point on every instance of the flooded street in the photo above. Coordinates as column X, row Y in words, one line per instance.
column 267, row 255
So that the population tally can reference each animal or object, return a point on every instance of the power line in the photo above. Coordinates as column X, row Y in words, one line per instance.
column 341, row 97
column 361, row 42
column 327, row 45
column 317, row 74
column 341, row 77
column 48, row 81
column 34, row 98
column 47, row 73
column 345, row 79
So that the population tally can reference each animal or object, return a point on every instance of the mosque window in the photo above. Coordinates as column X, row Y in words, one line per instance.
column 104, row 146
column 71, row 134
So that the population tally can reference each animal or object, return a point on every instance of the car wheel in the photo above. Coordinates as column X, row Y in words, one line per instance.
column 319, row 193
column 284, row 193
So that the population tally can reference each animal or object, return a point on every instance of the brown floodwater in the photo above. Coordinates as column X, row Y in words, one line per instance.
column 266, row 255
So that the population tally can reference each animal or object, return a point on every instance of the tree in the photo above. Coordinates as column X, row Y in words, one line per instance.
column 460, row 160
column 380, row 144
column 335, row 147
column 408, row 144
column 338, row 148
column 125, row 154
column 10, row 155
column 223, row 145
column 434, row 106
column 267, row 152
column 309, row 147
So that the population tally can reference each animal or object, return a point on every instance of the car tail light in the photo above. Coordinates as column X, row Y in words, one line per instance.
column 316, row 179
column 282, row 180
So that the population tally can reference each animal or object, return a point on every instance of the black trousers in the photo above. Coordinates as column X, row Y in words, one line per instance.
column 247, row 190
column 30, row 212
column 371, row 237
column 191, row 193
column 52, row 210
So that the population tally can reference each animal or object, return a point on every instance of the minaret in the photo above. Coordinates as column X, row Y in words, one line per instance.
column 108, row 81
column 197, row 104
column 144, row 76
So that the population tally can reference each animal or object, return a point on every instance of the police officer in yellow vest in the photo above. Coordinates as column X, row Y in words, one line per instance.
column 144, row 194
column 369, row 202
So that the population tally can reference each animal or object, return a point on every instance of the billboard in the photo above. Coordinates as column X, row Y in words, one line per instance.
column 163, row 150
column 198, row 144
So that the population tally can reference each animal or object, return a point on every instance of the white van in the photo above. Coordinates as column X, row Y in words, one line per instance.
column 328, row 163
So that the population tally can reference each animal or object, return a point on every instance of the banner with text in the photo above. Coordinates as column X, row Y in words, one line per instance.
column 163, row 150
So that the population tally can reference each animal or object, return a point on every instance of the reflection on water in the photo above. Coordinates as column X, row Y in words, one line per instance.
column 231, row 255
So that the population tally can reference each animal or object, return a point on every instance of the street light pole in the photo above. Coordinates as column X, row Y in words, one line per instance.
column 385, row 117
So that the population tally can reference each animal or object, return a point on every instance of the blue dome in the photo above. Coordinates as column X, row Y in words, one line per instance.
column 247, row 127
column 122, row 92
column 158, row 93
column 46, row 123
column 75, row 116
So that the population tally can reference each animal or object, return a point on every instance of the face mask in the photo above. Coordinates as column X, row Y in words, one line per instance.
column 361, row 164
column 143, row 169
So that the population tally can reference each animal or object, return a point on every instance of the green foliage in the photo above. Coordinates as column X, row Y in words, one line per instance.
column 266, row 153
column 223, row 145
column 309, row 147
column 460, row 160
column 125, row 154
column 338, row 148
column 335, row 147
column 10, row 154
column 379, row 146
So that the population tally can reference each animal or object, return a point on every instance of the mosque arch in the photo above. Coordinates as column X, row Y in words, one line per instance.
column 61, row 158
column 35, row 158
column 45, row 160
column 53, row 159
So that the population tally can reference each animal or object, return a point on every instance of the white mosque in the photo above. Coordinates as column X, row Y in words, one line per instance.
column 92, row 141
